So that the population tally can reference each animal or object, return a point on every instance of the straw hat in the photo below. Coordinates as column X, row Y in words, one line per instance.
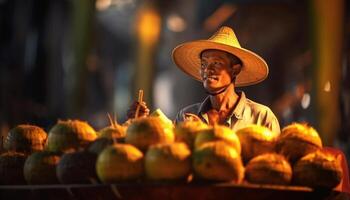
column 187, row 57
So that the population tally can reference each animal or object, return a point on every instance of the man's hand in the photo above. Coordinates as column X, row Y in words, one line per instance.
column 143, row 110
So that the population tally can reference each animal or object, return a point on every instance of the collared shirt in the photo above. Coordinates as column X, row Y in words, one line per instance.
column 245, row 113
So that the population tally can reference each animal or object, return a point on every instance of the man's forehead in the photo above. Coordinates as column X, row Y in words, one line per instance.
column 214, row 53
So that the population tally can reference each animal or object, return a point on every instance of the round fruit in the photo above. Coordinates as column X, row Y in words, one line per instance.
column 218, row 161
column 256, row 140
column 297, row 140
column 119, row 162
column 26, row 139
column 40, row 168
column 116, row 132
column 269, row 168
column 11, row 168
column 218, row 133
column 147, row 131
column 168, row 162
column 97, row 146
column 77, row 167
column 318, row 170
column 186, row 131
column 70, row 135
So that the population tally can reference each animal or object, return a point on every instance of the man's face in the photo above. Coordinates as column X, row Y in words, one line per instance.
column 216, row 69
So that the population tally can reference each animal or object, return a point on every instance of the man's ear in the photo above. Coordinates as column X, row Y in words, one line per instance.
column 236, row 69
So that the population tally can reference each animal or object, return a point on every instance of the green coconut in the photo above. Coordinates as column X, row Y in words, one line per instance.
column 119, row 163
column 318, row 170
column 97, row 146
column 77, row 167
column 218, row 133
column 297, row 140
column 71, row 135
column 116, row 132
column 11, row 168
column 168, row 162
column 144, row 132
column 187, row 131
column 25, row 138
column 218, row 161
column 40, row 168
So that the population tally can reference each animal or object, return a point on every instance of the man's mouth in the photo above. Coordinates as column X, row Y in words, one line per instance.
column 211, row 78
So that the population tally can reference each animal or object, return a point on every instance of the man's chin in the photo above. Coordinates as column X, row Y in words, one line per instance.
column 211, row 88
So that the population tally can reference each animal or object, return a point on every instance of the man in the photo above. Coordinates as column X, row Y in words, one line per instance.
column 221, row 64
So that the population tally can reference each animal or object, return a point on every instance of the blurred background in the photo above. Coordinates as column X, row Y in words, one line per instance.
column 68, row 59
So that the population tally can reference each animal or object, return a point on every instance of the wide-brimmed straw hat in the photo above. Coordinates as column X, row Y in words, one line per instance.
column 187, row 57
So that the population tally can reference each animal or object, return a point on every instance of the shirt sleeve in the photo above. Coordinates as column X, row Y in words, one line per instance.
column 179, row 117
column 272, row 122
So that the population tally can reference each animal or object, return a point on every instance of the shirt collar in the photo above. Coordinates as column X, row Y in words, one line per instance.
column 237, row 111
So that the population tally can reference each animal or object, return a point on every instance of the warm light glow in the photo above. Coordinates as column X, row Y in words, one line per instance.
column 148, row 25
column 219, row 16
column 176, row 23
column 103, row 4
column 327, row 86
column 305, row 100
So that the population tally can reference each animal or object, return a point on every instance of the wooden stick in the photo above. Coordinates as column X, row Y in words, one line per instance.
column 110, row 120
column 139, row 100
column 115, row 118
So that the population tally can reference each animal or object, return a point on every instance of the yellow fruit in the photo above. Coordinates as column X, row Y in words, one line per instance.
column 318, row 170
column 117, row 132
column 269, row 168
column 147, row 131
column 70, row 135
column 218, row 161
column 158, row 113
column 256, row 140
column 119, row 162
column 218, row 133
column 297, row 140
column 186, row 131
column 168, row 161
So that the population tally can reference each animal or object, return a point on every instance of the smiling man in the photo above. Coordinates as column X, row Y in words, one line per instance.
column 221, row 64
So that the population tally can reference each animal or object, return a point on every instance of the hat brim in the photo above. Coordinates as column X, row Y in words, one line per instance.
column 187, row 57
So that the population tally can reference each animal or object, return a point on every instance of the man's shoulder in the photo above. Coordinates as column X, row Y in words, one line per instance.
column 257, row 107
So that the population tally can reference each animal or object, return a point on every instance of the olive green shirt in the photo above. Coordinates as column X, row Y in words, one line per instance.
column 245, row 113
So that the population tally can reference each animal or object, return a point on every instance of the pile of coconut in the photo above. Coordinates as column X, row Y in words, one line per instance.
column 153, row 149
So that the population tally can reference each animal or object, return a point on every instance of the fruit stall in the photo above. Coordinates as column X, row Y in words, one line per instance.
column 152, row 158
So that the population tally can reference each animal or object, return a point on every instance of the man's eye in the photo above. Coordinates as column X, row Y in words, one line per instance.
column 203, row 66
column 217, row 63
